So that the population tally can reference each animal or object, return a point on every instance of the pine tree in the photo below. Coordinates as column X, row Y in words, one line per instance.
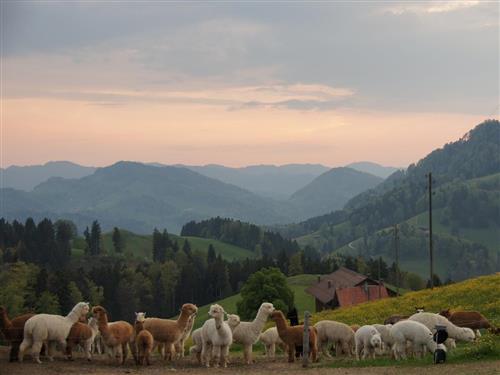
column 159, row 249
column 117, row 241
column 95, row 239
column 211, row 256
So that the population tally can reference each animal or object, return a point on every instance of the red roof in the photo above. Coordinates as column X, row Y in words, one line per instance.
column 358, row 294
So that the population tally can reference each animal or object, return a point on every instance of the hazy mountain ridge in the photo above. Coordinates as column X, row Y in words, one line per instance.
column 373, row 168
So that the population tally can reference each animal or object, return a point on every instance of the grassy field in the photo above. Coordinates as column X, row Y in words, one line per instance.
column 298, row 284
column 481, row 294
column 140, row 246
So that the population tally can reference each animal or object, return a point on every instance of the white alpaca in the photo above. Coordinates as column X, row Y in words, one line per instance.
column 431, row 320
column 332, row 332
column 418, row 334
column 385, row 334
column 233, row 321
column 95, row 331
column 270, row 338
column 195, row 350
column 247, row 333
column 216, row 338
column 367, row 340
column 51, row 329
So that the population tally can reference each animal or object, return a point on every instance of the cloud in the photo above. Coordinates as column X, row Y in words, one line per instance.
column 432, row 6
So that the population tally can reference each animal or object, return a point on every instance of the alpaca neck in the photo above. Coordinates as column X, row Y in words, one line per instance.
column 139, row 326
column 260, row 320
column 74, row 316
column 281, row 325
column 102, row 324
column 218, row 322
column 5, row 322
column 182, row 321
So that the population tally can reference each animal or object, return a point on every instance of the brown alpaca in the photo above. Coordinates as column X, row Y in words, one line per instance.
column 116, row 335
column 79, row 334
column 294, row 335
column 355, row 327
column 13, row 330
column 168, row 332
column 470, row 319
column 143, row 341
column 393, row 319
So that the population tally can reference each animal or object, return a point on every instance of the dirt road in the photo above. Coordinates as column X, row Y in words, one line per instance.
column 102, row 366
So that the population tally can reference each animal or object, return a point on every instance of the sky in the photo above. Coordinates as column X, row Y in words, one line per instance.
column 242, row 83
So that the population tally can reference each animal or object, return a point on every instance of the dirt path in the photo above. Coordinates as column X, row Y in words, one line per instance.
column 102, row 366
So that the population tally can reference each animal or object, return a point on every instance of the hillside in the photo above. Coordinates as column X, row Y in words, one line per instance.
column 297, row 283
column 139, row 197
column 278, row 182
column 466, row 205
column 27, row 177
column 373, row 168
column 140, row 246
column 331, row 191
column 479, row 294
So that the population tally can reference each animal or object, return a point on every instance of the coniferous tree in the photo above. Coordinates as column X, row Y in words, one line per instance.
column 95, row 239
column 211, row 256
column 118, row 244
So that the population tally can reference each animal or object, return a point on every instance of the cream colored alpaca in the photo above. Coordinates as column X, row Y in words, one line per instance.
column 367, row 341
column 233, row 321
column 338, row 333
column 50, row 328
column 385, row 334
column 418, row 334
column 179, row 345
column 117, row 336
column 431, row 320
column 247, row 333
column 216, row 338
column 195, row 350
column 167, row 332
column 270, row 338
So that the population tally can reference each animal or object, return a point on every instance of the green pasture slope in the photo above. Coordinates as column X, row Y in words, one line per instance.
column 140, row 246
column 298, row 284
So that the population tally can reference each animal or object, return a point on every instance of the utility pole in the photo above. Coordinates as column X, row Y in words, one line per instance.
column 379, row 280
column 305, row 340
column 431, row 252
column 396, row 248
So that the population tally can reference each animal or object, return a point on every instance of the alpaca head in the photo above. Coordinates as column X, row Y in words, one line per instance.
column 446, row 313
column 92, row 322
column 82, row 308
column 467, row 334
column 189, row 309
column 376, row 340
column 277, row 314
column 216, row 311
column 140, row 317
column 266, row 308
column 233, row 320
column 99, row 312
column 419, row 309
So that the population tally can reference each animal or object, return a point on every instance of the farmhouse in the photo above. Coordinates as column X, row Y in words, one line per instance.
column 345, row 288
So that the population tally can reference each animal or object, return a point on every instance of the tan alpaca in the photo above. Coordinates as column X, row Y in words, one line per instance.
column 143, row 340
column 13, row 331
column 80, row 334
column 167, row 332
column 292, row 336
column 117, row 336
column 179, row 345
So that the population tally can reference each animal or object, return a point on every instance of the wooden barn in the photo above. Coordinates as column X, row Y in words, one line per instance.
column 346, row 288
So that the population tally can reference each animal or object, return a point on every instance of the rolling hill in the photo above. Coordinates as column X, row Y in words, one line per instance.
column 331, row 191
column 373, row 168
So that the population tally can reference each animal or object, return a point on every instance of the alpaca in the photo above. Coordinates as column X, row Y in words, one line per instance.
column 247, row 333
column 179, row 345
column 270, row 338
column 418, row 334
column 470, row 319
column 367, row 341
column 294, row 335
column 143, row 340
column 393, row 319
column 337, row 333
column 117, row 336
column 195, row 350
column 168, row 332
column 13, row 331
column 385, row 334
column 216, row 338
column 431, row 320
column 354, row 327
column 50, row 328
column 233, row 321
column 82, row 334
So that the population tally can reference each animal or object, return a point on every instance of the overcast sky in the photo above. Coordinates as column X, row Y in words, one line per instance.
column 244, row 83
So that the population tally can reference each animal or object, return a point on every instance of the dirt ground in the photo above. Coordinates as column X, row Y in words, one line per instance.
column 101, row 365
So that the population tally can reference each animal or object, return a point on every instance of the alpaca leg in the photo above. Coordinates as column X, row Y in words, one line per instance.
column 314, row 351
column 247, row 353
column 25, row 344
column 359, row 348
column 216, row 355
column 346, row 349
column 478, row 333
column 35, row 351
column 69, row 351
column 272, row 350
column 124, row 352
column 88, row 349
column 205, row 354
column 324, row 348
column 291, row 353
column 118, row 353
column 224, row 354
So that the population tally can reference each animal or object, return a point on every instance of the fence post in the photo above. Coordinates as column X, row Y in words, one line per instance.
column 305, row 342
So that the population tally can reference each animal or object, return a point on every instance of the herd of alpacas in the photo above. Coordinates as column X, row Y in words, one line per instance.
column 399, row 336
